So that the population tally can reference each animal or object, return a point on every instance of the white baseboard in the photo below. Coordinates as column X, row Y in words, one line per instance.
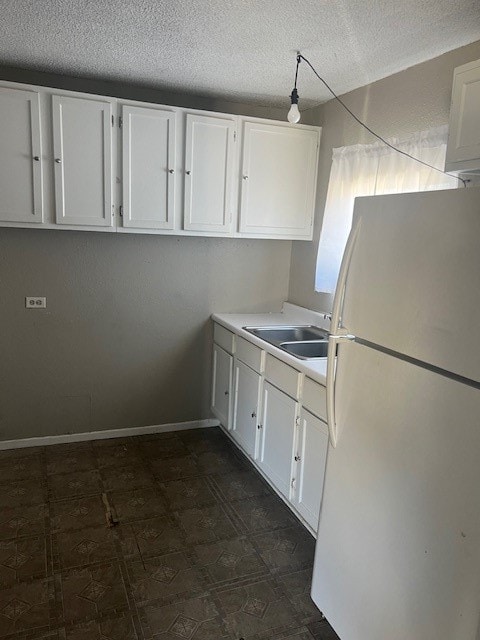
column 43, row 441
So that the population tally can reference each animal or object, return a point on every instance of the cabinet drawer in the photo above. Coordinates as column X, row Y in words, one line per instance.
column 282, row 376
column 223, row 337
column 250, row 354
column 315, row 398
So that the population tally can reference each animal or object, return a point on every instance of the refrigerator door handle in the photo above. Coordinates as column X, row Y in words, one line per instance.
column 338, row 333
column 337, row 310
column 331, row 368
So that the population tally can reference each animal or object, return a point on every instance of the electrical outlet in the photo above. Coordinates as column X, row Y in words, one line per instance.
column 35, row 302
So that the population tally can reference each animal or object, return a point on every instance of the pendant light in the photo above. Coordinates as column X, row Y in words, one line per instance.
column 293, row 115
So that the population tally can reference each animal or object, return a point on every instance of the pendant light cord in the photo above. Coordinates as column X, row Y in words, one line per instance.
column 365, row 126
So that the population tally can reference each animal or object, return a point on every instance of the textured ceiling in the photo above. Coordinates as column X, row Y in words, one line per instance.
column 241, row 50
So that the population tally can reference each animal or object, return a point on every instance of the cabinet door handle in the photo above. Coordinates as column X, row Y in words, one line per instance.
column 188, row 172
column 171, row 171
column 245, row 177
column 254, row 415
column 259, row 426
column 297, row 458
column 36, row 158
column 58, row 160
column 226, row 393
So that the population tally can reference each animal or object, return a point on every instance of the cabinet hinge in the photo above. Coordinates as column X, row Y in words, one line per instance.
column 297, row 421
column 292, row 484
column 120, row 122
column 120, row 211
column 113, row 121
column 234, row 136
column 113, row 210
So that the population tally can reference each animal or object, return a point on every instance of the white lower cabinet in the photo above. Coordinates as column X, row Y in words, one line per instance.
column 309, row 466
column 246, row 406
column 276, row 416
column 277, row 437
column 222, row 385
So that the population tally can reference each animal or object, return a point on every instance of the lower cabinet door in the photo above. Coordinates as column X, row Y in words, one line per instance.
column 276, row 447
column 247, row 385
column 309, row 469
column 222, row 385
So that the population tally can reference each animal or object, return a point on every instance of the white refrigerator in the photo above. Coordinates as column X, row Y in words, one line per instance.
column 398, row 547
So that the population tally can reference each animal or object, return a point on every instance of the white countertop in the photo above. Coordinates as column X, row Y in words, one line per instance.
column 290, row 315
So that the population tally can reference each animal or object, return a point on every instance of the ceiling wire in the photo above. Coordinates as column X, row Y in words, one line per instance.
column 365, row 126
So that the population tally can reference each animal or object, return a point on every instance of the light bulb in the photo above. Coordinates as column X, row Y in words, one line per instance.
column 294, row 114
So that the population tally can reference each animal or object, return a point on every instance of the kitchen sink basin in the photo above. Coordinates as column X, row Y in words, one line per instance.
column 277, row 335
column 306, row 350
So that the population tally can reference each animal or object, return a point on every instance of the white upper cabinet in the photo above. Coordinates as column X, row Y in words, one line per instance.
column 156, row 169
column 279, row 170
column 20, row 157
column 209, row 173
column 149, row 138
column 463, row 148
column 82, row 137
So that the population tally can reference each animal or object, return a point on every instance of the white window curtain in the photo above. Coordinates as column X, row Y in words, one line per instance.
column 373, row 169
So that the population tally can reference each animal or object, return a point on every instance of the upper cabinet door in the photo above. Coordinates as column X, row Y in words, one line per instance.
column 148, row 168
column 20, row 157
column 279, row 171
column 464, row 130
column 82, row 139
column 209, row 171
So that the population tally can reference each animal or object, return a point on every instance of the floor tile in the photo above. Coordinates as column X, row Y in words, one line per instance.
column 175, row 468
column 202, row 542
column 297, row 587
column 138, row 504
column 20, row 468
column 206, row 525
column 237, row 485
column 264, row 513
column 22, row 559
column 118, row 455
column 91, row 591
column 187, row 493
column 115, row 628
column 25, row 520
column 195, row 619
column 78, row 483
column 84, row 546
column 166, row 576
column 229, row 560
column 286, row 550
column 256, row 609
column 201, row 440
column 153, row 537
column 77, row 513
column 26, row 606
column 322, row 631
column 126, row 478
column 214, row 462
column 164, row 448
column 22, row 492
column 70, row 460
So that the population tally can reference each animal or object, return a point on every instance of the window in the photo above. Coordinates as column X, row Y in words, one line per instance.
column 374, row 169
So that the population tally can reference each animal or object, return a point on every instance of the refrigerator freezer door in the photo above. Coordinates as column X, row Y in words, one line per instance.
column 398, row 546
column 413, row 284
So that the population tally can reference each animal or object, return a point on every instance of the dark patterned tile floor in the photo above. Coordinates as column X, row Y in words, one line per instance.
column 203, row 548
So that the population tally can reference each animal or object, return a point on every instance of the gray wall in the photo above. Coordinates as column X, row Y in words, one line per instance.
column 416, row 99
column 126, row 338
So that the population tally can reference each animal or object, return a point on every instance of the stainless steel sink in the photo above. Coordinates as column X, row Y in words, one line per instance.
column 306, row 350
column 277, row 335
